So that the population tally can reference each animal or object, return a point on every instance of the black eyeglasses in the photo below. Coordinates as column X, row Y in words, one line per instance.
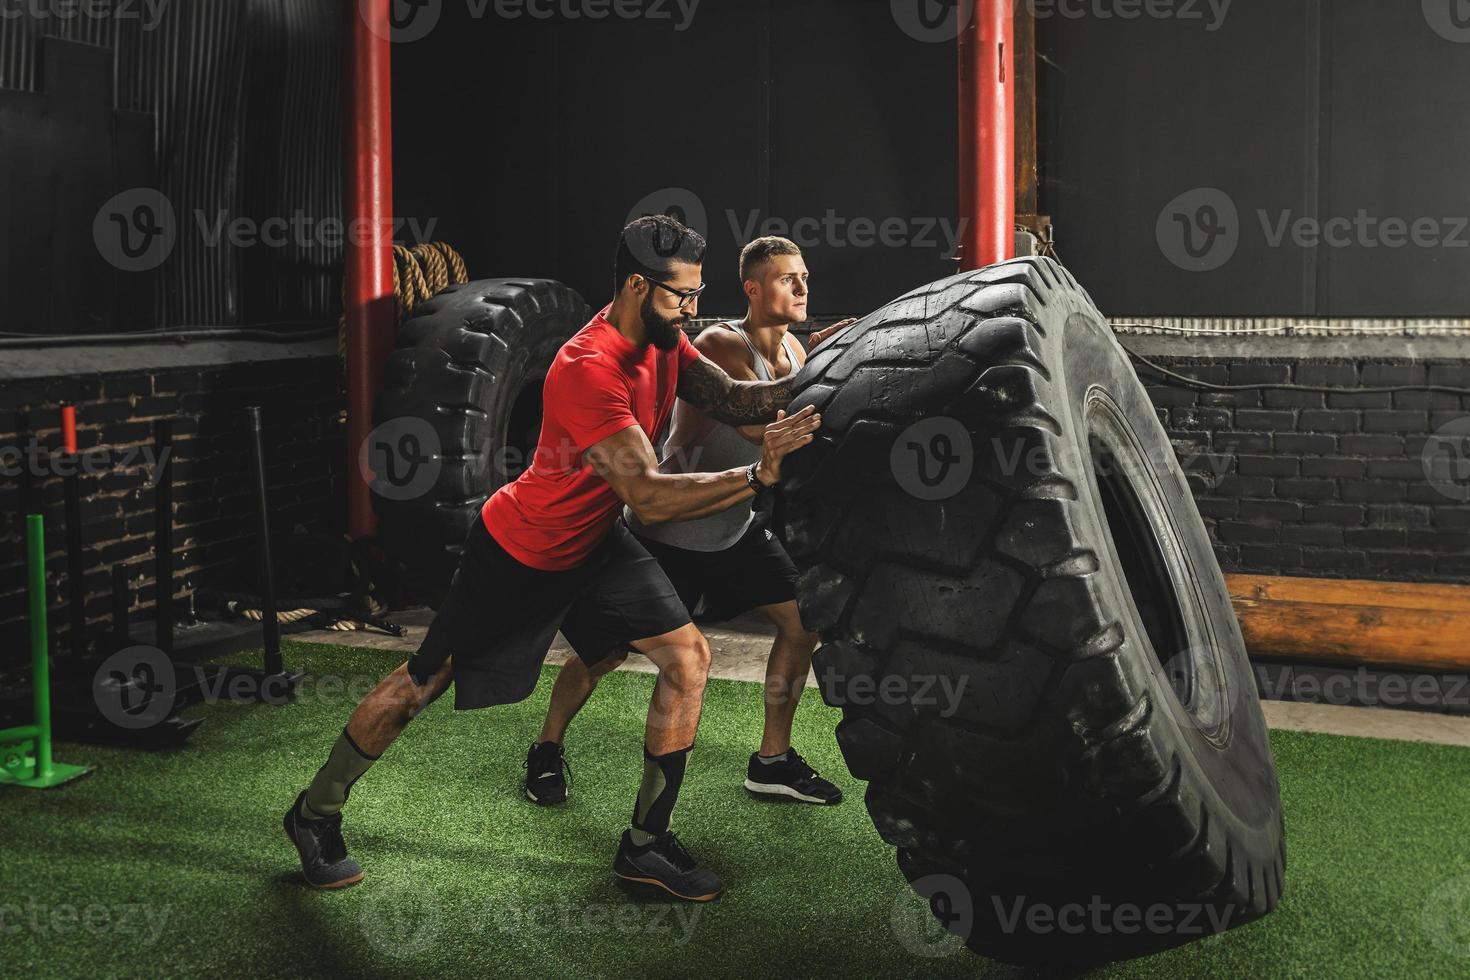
column 686, row 296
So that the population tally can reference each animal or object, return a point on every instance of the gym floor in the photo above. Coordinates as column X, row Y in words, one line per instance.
column 174, row 864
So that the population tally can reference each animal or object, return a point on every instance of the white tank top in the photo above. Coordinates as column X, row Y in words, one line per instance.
column 699, row 444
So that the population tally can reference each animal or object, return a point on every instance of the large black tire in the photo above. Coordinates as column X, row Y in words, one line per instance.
column 465, row 380
column 992, row 524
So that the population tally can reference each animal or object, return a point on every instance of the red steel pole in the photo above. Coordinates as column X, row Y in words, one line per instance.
column 987, row 133
column 367, row 133
column 69, row 429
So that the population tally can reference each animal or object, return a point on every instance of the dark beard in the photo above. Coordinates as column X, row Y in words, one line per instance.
column 661, row 333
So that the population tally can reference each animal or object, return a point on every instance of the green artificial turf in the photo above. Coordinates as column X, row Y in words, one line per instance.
column 174, row 863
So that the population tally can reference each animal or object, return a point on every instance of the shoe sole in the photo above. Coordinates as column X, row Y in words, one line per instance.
column 659, row 884
column 344, row 883
column 781, row 789
column 539, row 802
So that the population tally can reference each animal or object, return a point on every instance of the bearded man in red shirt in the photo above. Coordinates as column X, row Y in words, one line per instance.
column 552, row 553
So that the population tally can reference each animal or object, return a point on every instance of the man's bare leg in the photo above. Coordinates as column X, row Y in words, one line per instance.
column 778, row 769
column 786, row 674
column 388, row 708
column 314, row 821
column 575, row 683
column 648, row 852
column 682, row 659
column 375, row 723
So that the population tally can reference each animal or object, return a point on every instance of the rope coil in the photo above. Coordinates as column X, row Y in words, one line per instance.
column 342, row 623
column 419, row 274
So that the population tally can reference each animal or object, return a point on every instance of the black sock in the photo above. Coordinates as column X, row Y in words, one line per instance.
column 662, row 777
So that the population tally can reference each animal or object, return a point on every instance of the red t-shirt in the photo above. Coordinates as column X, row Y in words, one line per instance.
column 559, row 510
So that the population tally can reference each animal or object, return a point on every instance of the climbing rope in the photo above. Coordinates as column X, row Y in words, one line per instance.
column 419, row 273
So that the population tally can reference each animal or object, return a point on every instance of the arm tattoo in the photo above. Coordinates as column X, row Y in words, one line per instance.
column 706, row 386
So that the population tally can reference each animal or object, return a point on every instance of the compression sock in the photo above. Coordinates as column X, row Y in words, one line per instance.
column 662, row 777
column 328, row 790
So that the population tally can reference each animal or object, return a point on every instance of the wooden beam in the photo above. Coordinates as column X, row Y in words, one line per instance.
column 1390, row 624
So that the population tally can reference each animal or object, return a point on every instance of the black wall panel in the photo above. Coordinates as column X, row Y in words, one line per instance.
column 1303, row 115
column 527, row 142
column 1142, row 111
column 863, row 128
column 226, row 109
column 1396, row 141
column 532, row 141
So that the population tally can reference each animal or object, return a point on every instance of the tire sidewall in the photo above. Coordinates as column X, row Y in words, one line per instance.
column 1237, row 771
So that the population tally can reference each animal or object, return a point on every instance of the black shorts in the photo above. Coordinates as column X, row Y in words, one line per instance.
column 718, row 585
column 500, row 616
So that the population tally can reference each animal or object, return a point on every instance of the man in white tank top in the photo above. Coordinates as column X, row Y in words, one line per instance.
column 730, row 562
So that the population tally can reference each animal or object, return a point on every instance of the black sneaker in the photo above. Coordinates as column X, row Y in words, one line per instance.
column 664, row 863
column 324, row 860
column 545, row 784
column 791, row 777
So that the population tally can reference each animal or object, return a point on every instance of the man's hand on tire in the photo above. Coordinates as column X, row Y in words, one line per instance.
column 821, row 335
column 786, row 434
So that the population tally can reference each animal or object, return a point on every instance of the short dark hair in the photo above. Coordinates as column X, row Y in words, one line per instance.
column 650, row 246
column 761, row 251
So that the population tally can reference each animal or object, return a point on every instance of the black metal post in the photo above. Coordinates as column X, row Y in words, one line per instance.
column 122, row 600
column 27, row 498
column 163, row 537
column 270, row 628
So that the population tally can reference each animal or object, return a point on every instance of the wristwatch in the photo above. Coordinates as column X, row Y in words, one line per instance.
column 755, row 481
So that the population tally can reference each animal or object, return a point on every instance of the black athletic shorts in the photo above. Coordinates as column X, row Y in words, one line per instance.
column 718, row 585
column 500, row 616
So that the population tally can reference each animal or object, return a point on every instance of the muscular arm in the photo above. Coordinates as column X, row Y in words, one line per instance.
column 709, row 388
column 732, row 356
column 626, row 461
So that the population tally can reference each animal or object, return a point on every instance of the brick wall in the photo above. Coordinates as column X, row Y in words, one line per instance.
column 1318, row 484
column 300, row 392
